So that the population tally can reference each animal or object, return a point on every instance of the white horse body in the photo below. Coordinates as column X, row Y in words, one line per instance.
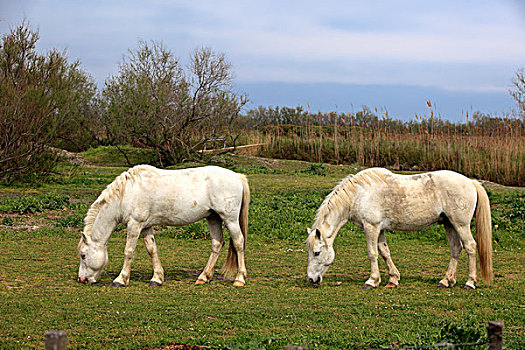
column 410, row 203
column 378, row 200
column 181, row 197
column 145, row 196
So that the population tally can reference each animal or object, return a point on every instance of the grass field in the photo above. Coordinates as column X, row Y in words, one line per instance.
column 277, row 307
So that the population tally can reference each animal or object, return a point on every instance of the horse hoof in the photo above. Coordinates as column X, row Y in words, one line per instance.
column 391, row 285
column 199, row 282
column 154, row 284
column 367, row 286
column 117, row 284
column 238, row 283
column 467, row 286
column 441, row 285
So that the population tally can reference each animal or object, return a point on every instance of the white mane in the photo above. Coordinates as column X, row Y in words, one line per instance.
column 113, row 191
column 341, row 195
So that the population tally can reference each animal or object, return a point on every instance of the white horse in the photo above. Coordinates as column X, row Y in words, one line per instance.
column 145, row 196
column 378, row 200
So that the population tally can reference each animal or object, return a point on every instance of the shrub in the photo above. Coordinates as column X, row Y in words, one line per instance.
column 43, row 98
column 76, row 221
column 7, row 221
column 34, row 204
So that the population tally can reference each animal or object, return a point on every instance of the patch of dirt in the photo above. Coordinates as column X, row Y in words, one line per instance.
column 70, row 156
column 73, row 157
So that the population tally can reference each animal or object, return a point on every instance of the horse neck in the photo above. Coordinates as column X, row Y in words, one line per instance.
column 105, row 223
column 331, row 220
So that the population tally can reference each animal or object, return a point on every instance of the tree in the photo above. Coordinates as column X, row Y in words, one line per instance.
column 518, row 92
column 39, row 100
column 80, row 109
column 154, row 103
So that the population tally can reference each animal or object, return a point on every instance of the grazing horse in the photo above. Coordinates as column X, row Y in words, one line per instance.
column 145, row 196
column 378, row 200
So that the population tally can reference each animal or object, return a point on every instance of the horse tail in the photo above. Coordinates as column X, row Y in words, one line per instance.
column 484, row 233
column 230, row 266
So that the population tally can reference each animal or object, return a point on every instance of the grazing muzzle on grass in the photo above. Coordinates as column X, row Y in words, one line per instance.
column 92, row 262
column 320, row 256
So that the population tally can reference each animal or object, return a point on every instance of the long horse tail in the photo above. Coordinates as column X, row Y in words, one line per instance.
column 484, row 233
column 230, row 266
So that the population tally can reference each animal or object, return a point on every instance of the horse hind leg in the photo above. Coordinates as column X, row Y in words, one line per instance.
column 455, row 250
column 217, row 242
column 470, row 247
column 151, row 247
column 237, row 239
column 393, row 272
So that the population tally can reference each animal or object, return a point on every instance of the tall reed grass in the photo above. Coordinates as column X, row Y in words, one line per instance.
column 495, row 154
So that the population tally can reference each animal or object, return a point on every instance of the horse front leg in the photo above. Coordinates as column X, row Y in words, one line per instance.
column 134, row 229
column 151, row 247
column 455, row 250
column 372, row 235
column 393, row 272
column 217, row 242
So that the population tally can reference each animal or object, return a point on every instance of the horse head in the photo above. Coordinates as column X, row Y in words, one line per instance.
column 320, row 255
column 93, row 260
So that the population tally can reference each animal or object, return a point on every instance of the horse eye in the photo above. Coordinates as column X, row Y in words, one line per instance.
column 83, row 256
column 317, row 253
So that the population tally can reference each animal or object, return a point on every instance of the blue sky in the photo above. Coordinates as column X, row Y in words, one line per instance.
column 330, row 55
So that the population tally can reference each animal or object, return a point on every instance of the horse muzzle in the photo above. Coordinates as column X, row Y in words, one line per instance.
column 316, row 281
column 84, row 280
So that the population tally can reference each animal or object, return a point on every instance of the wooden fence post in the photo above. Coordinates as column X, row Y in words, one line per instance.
column 495, row 333
column 56, row 340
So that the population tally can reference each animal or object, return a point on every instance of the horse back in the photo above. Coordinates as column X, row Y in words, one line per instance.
column 411, row 202
column 179, row 197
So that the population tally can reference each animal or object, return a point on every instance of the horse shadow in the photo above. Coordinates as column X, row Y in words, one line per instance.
column 188, row 275
column 179, row 275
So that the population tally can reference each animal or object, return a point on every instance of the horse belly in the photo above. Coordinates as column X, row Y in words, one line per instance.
column 410, row 224
column 169, row 205
column 412, row 217
column 180, row 210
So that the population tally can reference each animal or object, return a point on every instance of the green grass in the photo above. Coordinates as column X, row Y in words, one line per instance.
column 277, row 307
column 111, row 156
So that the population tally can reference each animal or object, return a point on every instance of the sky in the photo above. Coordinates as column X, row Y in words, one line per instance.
column 322, row 55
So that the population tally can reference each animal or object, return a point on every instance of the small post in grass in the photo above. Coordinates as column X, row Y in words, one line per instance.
column 56, row 340
column 495, row 334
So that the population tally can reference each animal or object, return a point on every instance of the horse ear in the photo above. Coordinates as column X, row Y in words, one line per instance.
column 308, row 231
column 318, row 233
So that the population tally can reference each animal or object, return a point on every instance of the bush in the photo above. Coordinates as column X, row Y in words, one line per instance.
column 7, row 221
column 517, row 207
column 76, row 221
column 153, row 103
column 34, row 204
column 43, row 99
column 315, row 169
column 466, row 332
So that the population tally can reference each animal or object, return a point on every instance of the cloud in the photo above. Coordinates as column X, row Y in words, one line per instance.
column 461, row 45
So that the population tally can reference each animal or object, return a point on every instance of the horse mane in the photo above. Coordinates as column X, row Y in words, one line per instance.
column 342, row 194
column 115, row 190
